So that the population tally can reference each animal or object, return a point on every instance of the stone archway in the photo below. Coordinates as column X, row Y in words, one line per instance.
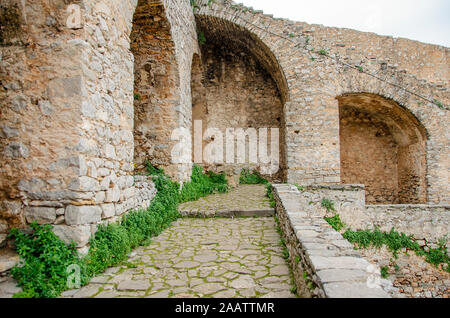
column 156, row 85
column 238, row 85
column 383, row 146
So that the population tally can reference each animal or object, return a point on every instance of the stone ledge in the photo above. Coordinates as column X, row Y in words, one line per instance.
column 341, row 187
column 320, row 255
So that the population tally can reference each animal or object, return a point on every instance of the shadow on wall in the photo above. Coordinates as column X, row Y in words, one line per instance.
column 238, row 83
column 156, row 86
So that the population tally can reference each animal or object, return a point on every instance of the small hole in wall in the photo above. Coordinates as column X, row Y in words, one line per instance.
column 297, row 132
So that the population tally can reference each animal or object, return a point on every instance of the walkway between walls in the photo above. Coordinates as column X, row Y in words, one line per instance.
column 244, row 200
column 206, row 257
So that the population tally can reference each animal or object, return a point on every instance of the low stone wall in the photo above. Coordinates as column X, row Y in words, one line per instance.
column 427, row 223
column 324, row 264
column 79, row 223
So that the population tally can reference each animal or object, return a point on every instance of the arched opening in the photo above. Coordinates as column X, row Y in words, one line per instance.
column 238, row 85
column 156, row 86
column 383, row 146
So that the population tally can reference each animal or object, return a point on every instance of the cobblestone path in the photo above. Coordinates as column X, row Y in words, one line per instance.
column 220, row 258
column 245, row 200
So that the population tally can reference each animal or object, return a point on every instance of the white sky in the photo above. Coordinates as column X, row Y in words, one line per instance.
column 423, row 20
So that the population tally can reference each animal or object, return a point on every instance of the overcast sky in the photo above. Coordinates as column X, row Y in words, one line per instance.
column 423, row 20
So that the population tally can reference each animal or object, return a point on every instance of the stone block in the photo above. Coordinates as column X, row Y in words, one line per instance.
column 341, row 262
column 108, row 211
column 79, row 234
column 341, row 275
column 100, row 197
column 84, row 184
column 3, row 238
column 112, row 195
column 87, row 214
column 41, row 215
column 16, row 150
column 3, row 226
column 8, row 259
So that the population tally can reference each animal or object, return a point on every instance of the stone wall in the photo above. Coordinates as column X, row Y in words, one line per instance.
column 427, row 223
column 156, row 86
column 237, row 93
column 164, row 41
column 324, row 264
column 368, row 156
column 41, row 94
column 79, row 223
column 67, row 121
column 405, row 71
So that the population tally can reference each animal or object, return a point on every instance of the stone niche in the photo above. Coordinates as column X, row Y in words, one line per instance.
column 233, row 87
column 382, row 147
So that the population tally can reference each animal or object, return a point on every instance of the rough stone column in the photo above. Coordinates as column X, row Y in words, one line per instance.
column 41, row 95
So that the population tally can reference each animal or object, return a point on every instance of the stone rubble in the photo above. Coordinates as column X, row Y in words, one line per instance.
column 410, row 274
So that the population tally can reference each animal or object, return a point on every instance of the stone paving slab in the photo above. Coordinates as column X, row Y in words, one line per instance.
column 218, row 258
column 242, row 201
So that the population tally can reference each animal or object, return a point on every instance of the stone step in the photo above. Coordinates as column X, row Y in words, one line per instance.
column 229, row 213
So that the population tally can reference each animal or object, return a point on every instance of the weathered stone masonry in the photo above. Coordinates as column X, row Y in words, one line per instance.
column 73, row 167
column 324, row 264
column 81, row 105
column 237, row 92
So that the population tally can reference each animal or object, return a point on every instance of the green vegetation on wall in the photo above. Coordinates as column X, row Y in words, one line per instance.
column 45, row 258
column 335, row 222
column 394, row 241
column 248, row 177
column 397, row 241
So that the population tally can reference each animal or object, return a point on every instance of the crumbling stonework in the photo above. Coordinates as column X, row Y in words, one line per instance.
column 237, row 93
column 82, row 103
column 427, row 223
column 382, row 147
column 325, row 265
column 315, row 80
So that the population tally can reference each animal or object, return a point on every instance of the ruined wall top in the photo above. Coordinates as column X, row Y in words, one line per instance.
column 425, row 61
